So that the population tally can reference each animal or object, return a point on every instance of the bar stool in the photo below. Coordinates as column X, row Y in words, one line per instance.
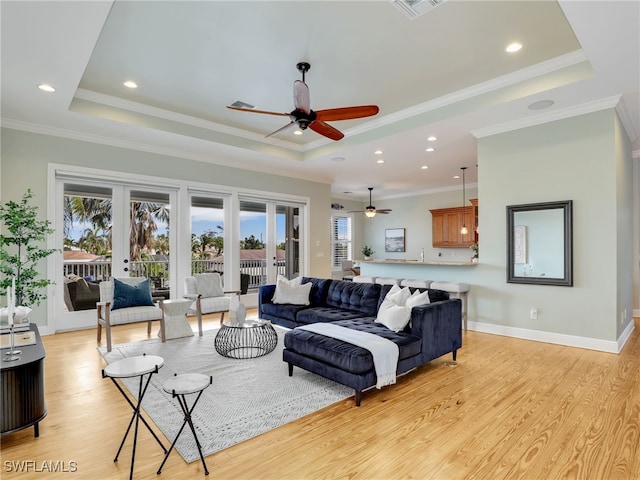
column 459, row 290
column 179, row 386
column 409, row 282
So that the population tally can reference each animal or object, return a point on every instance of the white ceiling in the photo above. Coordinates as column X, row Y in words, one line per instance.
column 444, row 73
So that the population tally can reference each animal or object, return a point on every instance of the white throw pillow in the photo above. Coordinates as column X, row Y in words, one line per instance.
column 418, row 299
column 398, row 295
column 209, row 285
column 294, row 295
column 393, row 316
column 294, row 282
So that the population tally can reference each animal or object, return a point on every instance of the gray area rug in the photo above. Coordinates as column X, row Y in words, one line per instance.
column 248, row 397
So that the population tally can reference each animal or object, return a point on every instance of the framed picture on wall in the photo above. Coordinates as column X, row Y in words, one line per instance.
column 394, row 240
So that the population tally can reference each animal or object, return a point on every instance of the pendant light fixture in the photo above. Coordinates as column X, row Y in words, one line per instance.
column 464, row 230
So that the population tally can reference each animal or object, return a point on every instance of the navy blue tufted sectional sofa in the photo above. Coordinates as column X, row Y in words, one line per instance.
column 434, row 330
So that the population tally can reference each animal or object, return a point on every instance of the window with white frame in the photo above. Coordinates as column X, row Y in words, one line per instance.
column 341, row 240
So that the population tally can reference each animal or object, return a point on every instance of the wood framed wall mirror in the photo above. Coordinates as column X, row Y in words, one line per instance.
column 540, row 243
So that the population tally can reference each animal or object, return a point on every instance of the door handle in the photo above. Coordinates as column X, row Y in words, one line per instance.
column 126, row 260
column 126, row 269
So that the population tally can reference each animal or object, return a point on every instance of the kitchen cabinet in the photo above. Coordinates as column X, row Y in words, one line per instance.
column 447, row 222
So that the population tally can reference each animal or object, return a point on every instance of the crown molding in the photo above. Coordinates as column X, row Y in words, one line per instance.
column 560, row 114
column 155, row 149
column 630, row 124
column 136, row 107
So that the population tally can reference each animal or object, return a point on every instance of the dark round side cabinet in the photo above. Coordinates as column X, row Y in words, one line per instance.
column 22, row 387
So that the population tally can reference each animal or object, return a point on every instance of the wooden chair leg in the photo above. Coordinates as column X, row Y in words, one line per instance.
column 107, row 328
column 199, row 316
column 148, row 328
column 162, row 332
column 99, row 333
column 221, row 318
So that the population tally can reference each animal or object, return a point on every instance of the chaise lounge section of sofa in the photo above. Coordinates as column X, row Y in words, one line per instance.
column 434, row 330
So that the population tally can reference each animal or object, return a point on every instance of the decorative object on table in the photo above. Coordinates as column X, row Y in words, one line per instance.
column 258, row 394
column 13, row 314
column 20, row 254
column 474, row 248
column 367, row 251
column 394, row 240
column 237, row 311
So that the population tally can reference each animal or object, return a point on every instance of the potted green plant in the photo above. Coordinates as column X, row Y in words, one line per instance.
column 367, row 251
column 20, row 251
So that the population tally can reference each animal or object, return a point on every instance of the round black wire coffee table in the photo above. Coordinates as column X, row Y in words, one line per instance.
column 248, row 339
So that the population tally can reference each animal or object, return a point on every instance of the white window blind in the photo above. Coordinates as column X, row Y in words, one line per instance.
column 341, row 240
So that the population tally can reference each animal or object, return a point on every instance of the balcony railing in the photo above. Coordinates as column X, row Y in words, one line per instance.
column 158, row 270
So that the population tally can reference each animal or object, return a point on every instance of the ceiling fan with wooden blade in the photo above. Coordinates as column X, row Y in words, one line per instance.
column 370, row 210
column 304, row 117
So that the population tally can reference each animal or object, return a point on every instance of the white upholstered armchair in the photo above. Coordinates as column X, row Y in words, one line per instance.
column 127, row 300
column 205, row 289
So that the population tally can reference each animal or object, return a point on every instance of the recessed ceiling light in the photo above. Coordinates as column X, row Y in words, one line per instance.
column 513, row 47
column 432, row 138
column 424, row 167
column 541, row 105
column 430, row 149
column 338, row 159
column 46, row 88
column 298, row 132
column 380, row 161
column 456, row 176
column 378, row 152
column 130, row 84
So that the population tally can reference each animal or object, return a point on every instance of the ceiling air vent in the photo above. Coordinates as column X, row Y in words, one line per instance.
column 415, row 8
column 239, row 104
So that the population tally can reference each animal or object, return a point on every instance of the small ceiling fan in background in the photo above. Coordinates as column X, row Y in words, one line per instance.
column 304, row 117
column 371, row 211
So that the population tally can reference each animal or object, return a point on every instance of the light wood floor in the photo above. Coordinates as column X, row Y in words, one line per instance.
column 510, row 409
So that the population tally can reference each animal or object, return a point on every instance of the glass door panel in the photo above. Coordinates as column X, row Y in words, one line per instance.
column 253, row 249
column 149, row 243
column 207, row 235
column 288, row 240
column 85, row 213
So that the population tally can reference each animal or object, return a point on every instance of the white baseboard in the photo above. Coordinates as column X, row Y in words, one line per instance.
column 555, row 338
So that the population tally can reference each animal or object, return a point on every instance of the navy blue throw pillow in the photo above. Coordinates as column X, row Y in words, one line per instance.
column 125, row 295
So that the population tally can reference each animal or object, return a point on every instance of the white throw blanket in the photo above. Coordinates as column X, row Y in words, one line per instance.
column 385, row 353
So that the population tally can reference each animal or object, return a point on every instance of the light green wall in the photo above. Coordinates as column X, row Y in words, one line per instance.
column 412, row 214
column 25, row 159
column 586, row 159
column 571, row 159
column 624, row 209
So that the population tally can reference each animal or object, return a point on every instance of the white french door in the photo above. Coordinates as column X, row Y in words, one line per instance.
column 270, row 240
column 110, row 229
